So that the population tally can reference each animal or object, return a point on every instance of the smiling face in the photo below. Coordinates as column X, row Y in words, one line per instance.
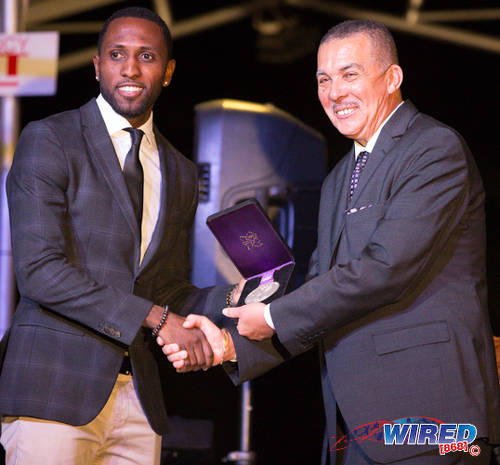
column 132, row 66
column 357, row 88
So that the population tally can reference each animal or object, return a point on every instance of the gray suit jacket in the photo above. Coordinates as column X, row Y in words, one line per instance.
column 83, row 296
column 398, row 306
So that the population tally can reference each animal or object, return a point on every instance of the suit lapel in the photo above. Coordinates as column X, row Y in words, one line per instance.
column 168, row 174
column 102, row 151
column 374, row 160
column 393, row 129
column 171, row 175
column 337, row 194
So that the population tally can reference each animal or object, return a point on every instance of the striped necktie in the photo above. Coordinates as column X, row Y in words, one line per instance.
column 356, row 172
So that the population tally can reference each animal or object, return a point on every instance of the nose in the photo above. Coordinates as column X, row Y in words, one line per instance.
column 337, row 90
column 130, row 68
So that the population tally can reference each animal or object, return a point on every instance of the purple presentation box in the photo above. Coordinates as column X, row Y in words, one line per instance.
column 257, row 250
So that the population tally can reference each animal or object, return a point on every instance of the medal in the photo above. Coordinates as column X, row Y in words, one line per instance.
column 262, row 292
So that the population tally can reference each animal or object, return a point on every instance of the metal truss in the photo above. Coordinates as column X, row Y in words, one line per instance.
column 434, row 24
column 419, row 22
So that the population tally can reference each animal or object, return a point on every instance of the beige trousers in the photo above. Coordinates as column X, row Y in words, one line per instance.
column 119, row 435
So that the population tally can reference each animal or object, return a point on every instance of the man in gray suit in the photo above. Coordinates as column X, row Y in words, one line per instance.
column 397, row 304
column 101, row 206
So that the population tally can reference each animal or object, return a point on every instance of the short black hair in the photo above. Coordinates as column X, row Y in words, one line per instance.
column 138, row 12
column 377, row 32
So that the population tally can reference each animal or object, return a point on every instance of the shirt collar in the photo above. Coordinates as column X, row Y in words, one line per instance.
column 115, row 122
column 358, row 148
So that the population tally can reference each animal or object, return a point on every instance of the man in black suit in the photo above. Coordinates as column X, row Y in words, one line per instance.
column 397, row 304
column 101, row 206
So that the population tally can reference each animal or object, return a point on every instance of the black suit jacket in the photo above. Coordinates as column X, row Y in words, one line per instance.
column 398, row 304
column 83, row 295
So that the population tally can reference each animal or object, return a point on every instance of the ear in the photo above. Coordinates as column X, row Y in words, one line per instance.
column 169, row 72
column 96, row 61
column 394, row 78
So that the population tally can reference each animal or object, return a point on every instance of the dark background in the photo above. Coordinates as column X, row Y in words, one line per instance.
column 455, row 84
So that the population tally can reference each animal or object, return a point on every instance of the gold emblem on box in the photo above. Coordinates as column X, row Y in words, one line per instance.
column 251, row 240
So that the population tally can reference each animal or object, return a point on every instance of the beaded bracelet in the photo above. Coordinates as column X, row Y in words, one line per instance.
column 161, row 323
column 229, row 296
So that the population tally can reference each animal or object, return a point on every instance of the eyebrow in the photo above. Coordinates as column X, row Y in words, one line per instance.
column 351, row 65
column 142, row 47
column 344, row 68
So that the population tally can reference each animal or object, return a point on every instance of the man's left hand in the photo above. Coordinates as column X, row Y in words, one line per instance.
column 251, row 323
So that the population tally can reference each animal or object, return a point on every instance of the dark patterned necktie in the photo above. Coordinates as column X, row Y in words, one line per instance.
column 134, row 176
column 356, row 172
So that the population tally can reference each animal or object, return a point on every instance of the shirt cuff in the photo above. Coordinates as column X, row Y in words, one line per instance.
column 267, row 316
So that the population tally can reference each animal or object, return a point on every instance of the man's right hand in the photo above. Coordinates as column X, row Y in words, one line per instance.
column 193, row 341
column 223, row 351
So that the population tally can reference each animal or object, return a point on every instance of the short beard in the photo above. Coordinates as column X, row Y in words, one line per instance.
column 130, row 111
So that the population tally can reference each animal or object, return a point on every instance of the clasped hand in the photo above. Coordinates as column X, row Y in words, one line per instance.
column 182, row 357
column 201, row 347
column 251, row 323
column 195, row 342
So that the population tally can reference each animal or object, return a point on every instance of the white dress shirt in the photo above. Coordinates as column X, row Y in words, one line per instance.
column 150, row 160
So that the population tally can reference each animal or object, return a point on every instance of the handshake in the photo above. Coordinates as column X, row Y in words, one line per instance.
column 195, row 343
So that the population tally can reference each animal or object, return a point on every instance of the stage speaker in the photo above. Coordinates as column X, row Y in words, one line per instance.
column 246, row 150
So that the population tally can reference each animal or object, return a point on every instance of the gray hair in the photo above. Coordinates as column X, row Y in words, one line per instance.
column 378, row 33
